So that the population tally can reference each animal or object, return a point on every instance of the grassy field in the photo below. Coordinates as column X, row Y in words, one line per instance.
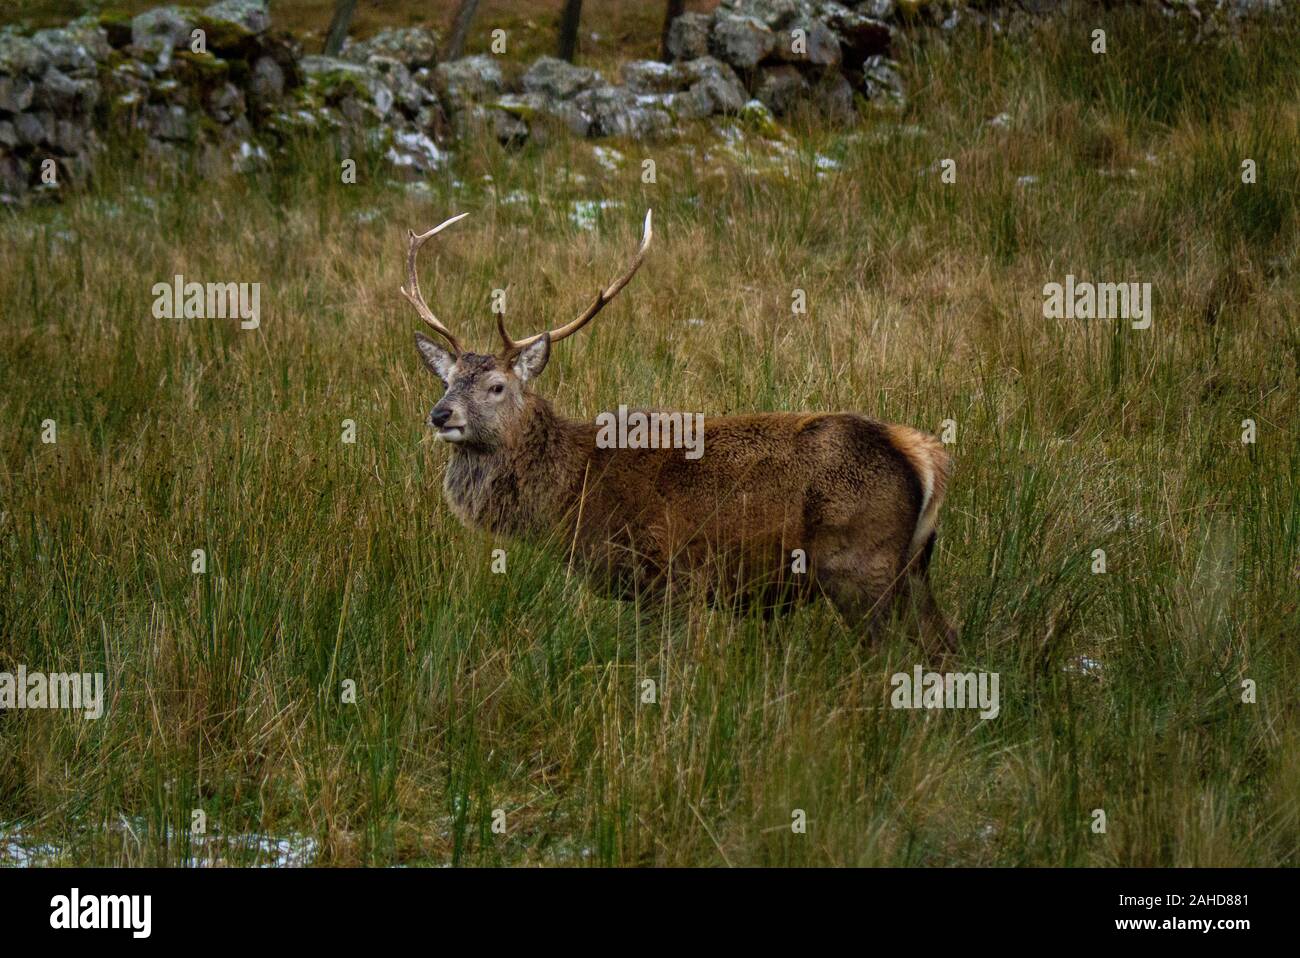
column 330, row 561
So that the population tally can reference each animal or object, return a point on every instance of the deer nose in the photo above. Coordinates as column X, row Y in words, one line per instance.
column 439, row 417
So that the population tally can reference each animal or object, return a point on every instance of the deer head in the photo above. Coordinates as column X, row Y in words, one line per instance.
column 485, row 394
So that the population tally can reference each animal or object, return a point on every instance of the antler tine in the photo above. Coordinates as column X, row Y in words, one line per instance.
column 509, row 346
column 602, row 298
column 412, row 288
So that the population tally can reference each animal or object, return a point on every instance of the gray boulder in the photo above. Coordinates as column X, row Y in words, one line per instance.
column 652, row 76
column 34, row 129
column 322, row 68
column 266, row 83
column 470, row 80
column 508, row 128
column 13, row 178
column 688, row 36
column 881, row 80
column 285, row 51
column 617, row 111
column 252, row 15
column 127, row 84
column 167, row 122
column 780, row 88
column 413, row 47
column 21, row 56
column 414, row 150
column 691, row 89
column 162, row 30
column 834, row 97
column 409, row 95
column 226, row 103
column 529, row 107
column 358, row 92
column 68, row 137
column 78, row 48
column 743, row 42
column 16, row 93
column 713, row 85
column 555, row 78
column 805, row 40
column 771, row 13
column 64, row 95
column 861, row 35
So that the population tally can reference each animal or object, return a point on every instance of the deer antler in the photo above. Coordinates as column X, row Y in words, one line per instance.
column 412, row 288
column 602, row 298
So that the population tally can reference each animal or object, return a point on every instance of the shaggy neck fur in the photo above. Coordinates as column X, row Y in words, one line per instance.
column 524, row 485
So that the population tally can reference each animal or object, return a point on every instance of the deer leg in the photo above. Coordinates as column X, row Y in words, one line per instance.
column 868, row 584
column 860, row 578
column 937, row 636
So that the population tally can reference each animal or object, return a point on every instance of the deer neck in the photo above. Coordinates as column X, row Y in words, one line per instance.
column 524, row 485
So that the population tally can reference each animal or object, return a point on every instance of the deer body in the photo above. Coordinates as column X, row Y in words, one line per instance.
column 780, row 507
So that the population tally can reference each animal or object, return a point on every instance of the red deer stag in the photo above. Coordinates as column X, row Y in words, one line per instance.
column 781, row 506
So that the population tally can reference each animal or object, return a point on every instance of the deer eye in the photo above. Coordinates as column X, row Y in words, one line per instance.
column 498, row 389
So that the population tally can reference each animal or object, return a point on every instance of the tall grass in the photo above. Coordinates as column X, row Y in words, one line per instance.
column 523, row 692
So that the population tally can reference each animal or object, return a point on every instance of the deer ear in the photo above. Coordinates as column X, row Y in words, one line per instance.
column 532, row 359
column 435, row 357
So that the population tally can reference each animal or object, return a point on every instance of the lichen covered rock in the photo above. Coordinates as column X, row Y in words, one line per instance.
column 253, row 16
column 688, row 36
column 164, row 29
column 470, row 80
column 557, row 79
column 742, row 41
column 413, row 47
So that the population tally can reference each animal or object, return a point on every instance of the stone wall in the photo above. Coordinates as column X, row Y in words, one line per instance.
column 220, row 84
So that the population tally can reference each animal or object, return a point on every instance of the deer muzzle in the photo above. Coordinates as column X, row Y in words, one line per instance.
column 448, row 422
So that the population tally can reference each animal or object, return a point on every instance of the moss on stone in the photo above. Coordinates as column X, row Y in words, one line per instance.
column 200, row 72
column 521, row 110
column 758, row 118
column 205, row 66
column 335, row 85
column 226, row 36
